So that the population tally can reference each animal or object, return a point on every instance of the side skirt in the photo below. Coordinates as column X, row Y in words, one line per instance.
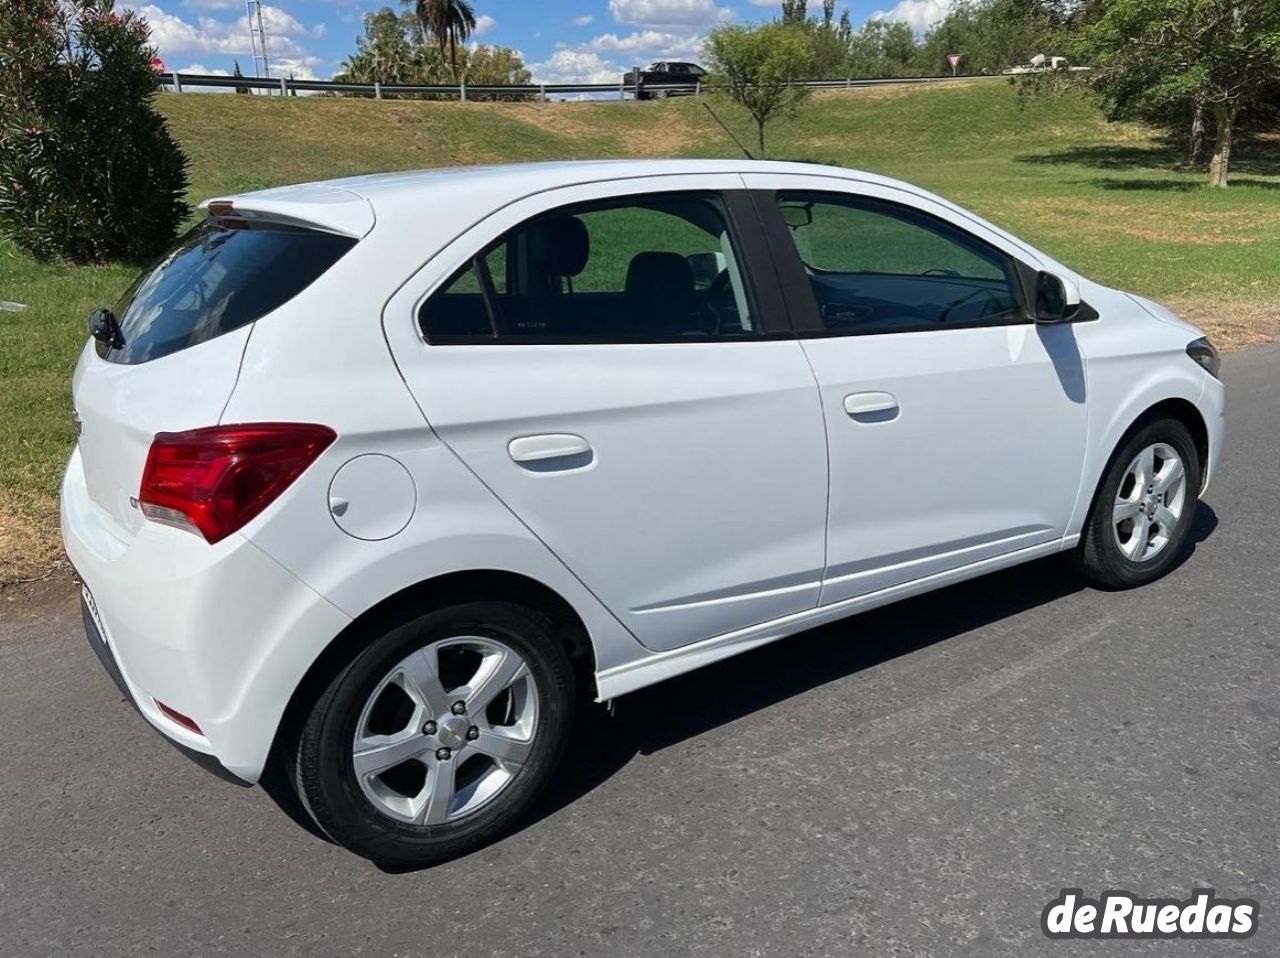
column 637, row 674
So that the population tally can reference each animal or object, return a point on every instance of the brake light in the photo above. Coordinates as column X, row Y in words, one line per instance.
column 213, row 481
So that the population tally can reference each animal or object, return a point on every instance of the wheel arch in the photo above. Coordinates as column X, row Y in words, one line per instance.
column 446, row 589
column 1178, row 408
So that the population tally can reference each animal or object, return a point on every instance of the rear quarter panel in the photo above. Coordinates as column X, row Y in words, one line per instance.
column 329, row 363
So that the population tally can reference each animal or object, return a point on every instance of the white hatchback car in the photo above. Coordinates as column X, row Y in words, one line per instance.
column 375, row 475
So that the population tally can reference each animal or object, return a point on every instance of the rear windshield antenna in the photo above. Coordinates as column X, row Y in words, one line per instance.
column 727, row 130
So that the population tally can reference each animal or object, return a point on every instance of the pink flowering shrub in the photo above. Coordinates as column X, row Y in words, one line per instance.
column 88, row 170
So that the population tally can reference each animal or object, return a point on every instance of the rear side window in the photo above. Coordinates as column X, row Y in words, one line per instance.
column 636, row 269
column 217, row 279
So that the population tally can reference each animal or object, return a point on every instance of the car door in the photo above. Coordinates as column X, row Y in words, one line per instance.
column 956, row 426
column 612, row 362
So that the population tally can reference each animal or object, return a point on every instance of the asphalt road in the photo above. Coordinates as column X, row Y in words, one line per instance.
column 919, row 781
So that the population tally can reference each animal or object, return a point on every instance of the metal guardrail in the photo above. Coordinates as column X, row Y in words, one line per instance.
column 283, row 86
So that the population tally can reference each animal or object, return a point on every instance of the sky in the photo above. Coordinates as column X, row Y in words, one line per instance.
column 561, row 41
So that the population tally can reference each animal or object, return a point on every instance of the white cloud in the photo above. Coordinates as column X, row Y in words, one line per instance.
column 649, row 45
column 766, row 3
column 213, row 4
column 574, row 66
column 604, row 58
column 302, row 68
column 174, row 36
column 583, row 20
column 484, row 23
column 920, row 15
column 668, row 13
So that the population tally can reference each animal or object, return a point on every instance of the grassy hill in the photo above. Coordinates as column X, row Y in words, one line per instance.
column 1103, row 198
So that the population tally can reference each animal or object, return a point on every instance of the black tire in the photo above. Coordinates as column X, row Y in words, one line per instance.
column 1099, row 556
column 321, row 756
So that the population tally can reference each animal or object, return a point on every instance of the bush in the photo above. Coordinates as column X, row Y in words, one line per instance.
column 88, row 170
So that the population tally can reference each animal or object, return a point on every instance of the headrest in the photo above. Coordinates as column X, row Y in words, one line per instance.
column 558, row 246
column 663, row 279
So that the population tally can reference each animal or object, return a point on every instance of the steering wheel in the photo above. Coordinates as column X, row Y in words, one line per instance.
column 939, row 271
column 946, row 311
column 714, row 291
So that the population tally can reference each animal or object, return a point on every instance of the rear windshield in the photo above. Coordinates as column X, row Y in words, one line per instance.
column 217, row 279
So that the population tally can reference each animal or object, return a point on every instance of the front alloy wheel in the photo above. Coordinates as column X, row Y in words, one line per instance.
column 1143, row 509
column 1150, row 502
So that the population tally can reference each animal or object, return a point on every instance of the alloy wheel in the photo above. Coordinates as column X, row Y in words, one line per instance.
column 446, row 730
column 1150, row 502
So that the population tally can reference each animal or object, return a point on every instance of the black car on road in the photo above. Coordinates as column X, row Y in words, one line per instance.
column 665, row 78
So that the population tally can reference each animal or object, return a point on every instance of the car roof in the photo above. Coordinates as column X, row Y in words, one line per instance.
column 351, row 204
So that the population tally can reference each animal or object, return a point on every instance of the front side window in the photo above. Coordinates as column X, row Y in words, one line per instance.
column 876, row 267
column 652, row 268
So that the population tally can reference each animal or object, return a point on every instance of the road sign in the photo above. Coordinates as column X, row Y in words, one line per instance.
column 954, row 60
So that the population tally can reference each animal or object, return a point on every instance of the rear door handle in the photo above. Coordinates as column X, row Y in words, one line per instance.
column 871, row 406
column 551, row 451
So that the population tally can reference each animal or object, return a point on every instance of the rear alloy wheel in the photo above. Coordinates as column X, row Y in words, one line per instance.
column 446, row 731
column 438, row 735
column 1144, row 508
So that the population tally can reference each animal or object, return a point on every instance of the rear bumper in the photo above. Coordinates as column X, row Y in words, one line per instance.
column 221, row 633
column 206, row 761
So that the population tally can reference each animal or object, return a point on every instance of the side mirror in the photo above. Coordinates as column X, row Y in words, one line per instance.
column 796, row 215
column 1051, row 304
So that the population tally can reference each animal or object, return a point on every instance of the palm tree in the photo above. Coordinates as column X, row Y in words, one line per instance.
column 450, row 22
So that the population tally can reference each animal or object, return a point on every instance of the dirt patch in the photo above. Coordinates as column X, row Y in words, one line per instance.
column 32, row 601
column 30, row 547
column 646, row 129
column 893, row 91
column 1231, row 326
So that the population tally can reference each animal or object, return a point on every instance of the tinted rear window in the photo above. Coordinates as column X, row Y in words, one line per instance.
column 215, row 280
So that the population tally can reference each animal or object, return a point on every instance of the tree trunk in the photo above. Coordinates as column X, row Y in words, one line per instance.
column 1224, row 118
column 1195, row 155
column 760, row 138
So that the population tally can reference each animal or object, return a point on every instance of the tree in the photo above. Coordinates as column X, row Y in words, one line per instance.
column 882, row 48
column 88, row 170
column 395, row 50
column 758, row 68
column 240, row 87
column 992, row 35
column 487, row 65
column 386, row 53
column 1219, row 57
column 449, row 22
column 794, row 12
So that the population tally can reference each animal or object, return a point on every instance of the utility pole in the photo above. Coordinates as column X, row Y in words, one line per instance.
column 257, row 37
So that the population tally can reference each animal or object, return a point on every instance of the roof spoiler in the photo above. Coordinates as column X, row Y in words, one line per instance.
column 304, row 207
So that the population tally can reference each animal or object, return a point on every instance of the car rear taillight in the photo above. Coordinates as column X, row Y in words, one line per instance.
column 212, row 481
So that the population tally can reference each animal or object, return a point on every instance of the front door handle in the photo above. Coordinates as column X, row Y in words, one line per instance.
column 550, row 451
column 871, row 407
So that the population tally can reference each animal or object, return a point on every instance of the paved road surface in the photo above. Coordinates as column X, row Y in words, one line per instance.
column 919, row 781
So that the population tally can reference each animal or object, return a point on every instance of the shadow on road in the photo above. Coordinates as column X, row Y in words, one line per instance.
column 654, row 718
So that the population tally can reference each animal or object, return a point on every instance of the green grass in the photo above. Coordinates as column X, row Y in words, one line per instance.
column 1104, row 198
